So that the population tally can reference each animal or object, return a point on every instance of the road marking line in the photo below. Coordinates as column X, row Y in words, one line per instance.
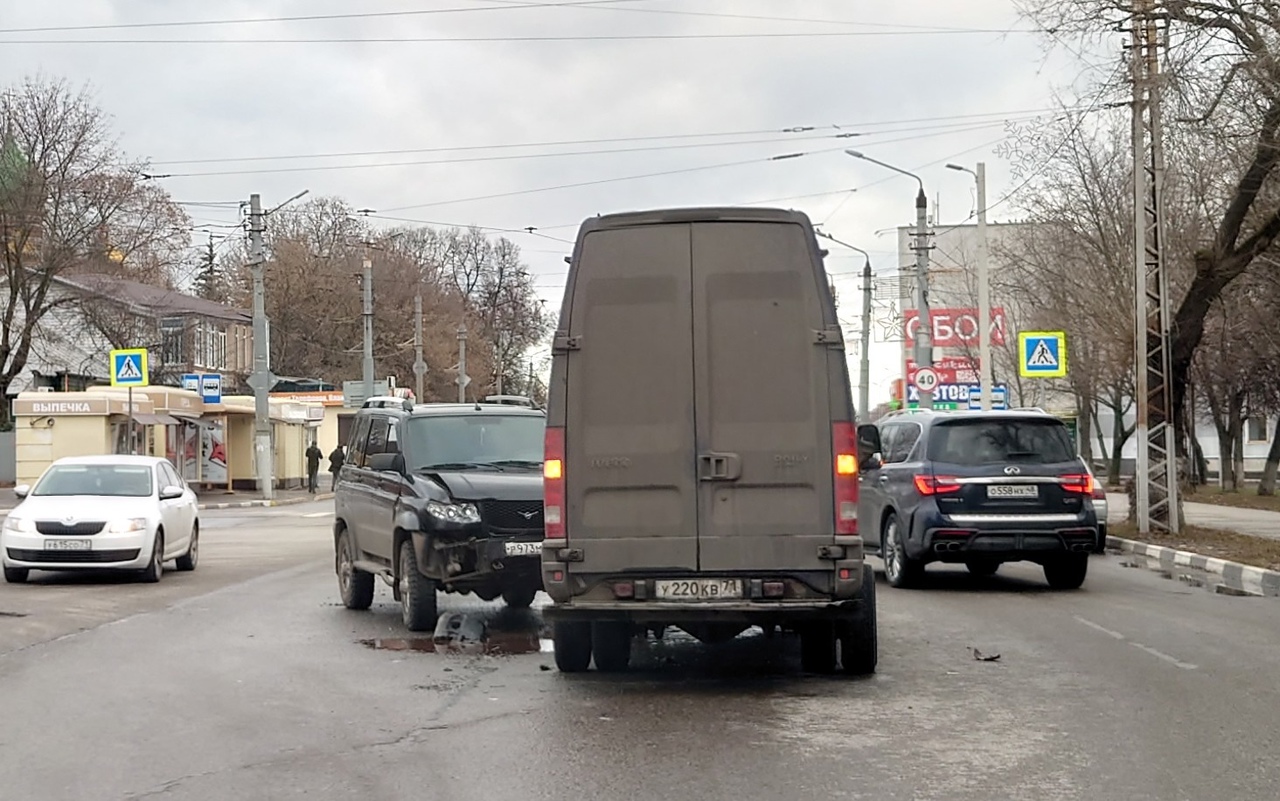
column 318, row 514
column 1117, row 635
column 1162, row 655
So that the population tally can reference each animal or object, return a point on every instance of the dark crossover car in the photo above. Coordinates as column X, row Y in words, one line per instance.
column 440, row 497
column 977, row 488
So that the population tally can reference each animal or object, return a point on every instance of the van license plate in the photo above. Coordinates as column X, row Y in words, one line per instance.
column 524, row 549
column 68, row 545
column 1013, row 491
column 698, row 589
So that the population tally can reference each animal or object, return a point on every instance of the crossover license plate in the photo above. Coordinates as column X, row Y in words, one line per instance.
column 524, row 548
column 698, row 589
column 1013, row 491
column 68, row 545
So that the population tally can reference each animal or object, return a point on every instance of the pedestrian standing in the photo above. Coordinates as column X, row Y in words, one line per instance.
column 335, row 465
column 314, row 455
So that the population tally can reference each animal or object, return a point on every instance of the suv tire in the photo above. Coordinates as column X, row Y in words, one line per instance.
column 1067, row 572
column 519, row 597
column 417, row 593
column 818, row 648
column 572, row 641
column 900, row 570
column 611, row 646
column 859, row 644
column 354, row 586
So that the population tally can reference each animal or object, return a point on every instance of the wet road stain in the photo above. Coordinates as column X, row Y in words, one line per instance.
column 498, row 643
column 12, row 614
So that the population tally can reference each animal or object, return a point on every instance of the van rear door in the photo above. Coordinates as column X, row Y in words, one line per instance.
column 761, row 330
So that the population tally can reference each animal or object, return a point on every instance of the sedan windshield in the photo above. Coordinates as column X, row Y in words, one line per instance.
column 120, row 481
column 459, row 442
column 988, row 441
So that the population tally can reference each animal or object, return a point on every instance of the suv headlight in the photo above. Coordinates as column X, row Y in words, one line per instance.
column 20, row 525
column 454, row 512
column 127, row 526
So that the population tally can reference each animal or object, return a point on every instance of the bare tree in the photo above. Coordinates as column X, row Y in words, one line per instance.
column 69, row 202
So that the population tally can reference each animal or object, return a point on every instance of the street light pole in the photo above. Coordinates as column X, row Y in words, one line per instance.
column 924, row 324
column 864, row 361
column 986, row 370
column 260, row 380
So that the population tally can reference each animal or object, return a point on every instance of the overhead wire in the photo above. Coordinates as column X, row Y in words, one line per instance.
column 628, row 37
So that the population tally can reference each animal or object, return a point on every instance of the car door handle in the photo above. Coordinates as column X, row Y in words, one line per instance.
column 883, row 479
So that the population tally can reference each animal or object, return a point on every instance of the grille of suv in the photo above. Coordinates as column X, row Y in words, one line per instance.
column 513, row 515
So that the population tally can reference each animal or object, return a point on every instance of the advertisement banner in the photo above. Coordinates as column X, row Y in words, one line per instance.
column 950, row 370
column 956, row 327
column 213, row 451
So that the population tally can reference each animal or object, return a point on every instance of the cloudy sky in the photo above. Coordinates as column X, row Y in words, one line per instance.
column 515, row 113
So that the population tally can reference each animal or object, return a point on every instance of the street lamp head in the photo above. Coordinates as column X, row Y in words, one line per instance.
column 956, row 167
column 857, row 154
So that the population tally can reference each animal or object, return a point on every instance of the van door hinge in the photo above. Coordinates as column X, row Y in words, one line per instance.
column 564, row 343
column 831, row 337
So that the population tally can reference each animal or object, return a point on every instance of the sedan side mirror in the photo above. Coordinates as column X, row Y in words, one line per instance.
column 873, row 461
column 171, row 493
column 22, row 490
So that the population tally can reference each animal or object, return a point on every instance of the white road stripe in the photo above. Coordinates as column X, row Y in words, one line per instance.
column 1117, row 635
column 318, row 514
column 1162, row 655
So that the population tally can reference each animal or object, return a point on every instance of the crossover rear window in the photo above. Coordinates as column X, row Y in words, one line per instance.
column 988, row 441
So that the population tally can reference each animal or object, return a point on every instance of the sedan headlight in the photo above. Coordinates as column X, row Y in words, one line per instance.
column 454, row 512
column 20, row 525
column 127, row 526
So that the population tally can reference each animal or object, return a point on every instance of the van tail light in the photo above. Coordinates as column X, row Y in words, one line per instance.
column 844, row 452
column 936, row 485
column 1078, row 484
column 553, row 483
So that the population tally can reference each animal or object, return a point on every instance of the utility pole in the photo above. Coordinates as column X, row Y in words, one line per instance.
column 463, row 378
column 260, row 381
column 986, row 370
column 1156, row 479
column 367, row 283
column 864, row 357
column 419, row 366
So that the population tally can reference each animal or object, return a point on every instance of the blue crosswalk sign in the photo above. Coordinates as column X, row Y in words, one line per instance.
column 129, row 367
column 1043, row 354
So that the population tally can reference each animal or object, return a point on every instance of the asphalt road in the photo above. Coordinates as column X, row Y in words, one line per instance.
column 246, row 680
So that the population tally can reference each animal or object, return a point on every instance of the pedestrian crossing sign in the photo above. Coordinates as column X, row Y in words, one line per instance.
column 129, row 367
column 1042, row 354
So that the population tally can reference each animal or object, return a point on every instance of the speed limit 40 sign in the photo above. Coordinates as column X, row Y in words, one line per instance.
column 926, row 379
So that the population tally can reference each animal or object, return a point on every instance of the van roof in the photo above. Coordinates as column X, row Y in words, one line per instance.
column 630, row 219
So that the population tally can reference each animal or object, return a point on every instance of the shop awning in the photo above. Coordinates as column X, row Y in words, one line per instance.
column 166, row 420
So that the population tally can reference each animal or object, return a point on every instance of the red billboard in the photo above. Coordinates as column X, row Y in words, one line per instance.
column 950, row 370
column 956, row 328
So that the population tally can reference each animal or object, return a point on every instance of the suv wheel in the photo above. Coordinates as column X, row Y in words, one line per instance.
column 572, row 641
column 1068, row 572
column 611, row 646
column 899, row 570
column 16, row 575
column 859, row 645
column 417, row 593
column 519, row 597
column 818, row 648
column 355, row 586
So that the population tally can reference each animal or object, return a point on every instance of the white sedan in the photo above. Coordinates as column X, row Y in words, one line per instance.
column 96, row 512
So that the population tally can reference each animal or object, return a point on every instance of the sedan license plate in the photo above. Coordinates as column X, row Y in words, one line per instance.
column 698, row 589
column 68, row 545
column 1013, row 491
column 524, row 548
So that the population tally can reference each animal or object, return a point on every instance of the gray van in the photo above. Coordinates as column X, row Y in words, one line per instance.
column 700, row 468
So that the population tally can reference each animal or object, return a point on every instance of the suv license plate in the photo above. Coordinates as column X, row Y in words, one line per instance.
column 524, row 549
column 68, row 545
column 1013, row 491
column 698, row 589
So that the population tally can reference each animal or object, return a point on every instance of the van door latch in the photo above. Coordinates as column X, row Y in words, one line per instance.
column 719, row 467
column 564, row 343
column 570, row 555
column 831, row 337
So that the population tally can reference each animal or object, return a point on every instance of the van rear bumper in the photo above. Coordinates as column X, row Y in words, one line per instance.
column 750, row 613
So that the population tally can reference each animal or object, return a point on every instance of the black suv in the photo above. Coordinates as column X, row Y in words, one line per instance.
column 440, row 497
column 978, row 488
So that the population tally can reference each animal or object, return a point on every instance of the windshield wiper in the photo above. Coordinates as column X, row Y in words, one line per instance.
column 530, row 463
column 450, row 466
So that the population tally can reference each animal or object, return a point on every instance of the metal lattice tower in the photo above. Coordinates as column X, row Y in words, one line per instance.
column 1156, row 480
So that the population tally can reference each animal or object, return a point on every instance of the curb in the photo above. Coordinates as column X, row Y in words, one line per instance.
column 320, row 496
column 1235, row 576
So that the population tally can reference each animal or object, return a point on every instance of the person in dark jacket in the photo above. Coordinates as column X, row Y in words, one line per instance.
column 314, row 455
column 335, row 465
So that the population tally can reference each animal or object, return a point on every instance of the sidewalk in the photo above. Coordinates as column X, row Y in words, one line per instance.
column 1252, row 522
column 217, row 499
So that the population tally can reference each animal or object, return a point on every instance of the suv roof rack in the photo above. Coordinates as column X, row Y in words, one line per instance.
column 510, row 400
column 1035, row 409
column 388, row 402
